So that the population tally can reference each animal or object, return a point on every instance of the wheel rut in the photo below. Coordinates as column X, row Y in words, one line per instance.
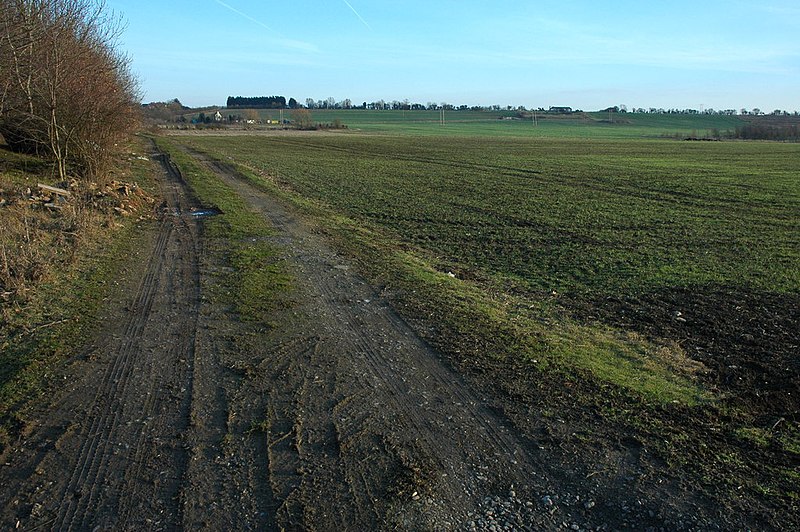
column 333, row 416
column 415, row 446
column 108, row 451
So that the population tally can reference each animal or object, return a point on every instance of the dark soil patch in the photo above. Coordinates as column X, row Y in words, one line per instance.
column 748, row 340
column 732, row 459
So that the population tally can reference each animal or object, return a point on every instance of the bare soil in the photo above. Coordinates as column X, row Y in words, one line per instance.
column 747, row 339
column 335, row 415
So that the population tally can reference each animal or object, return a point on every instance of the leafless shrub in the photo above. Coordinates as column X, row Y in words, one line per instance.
column 67, row 92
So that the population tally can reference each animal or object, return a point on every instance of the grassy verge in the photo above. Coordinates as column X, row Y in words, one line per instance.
column 47, row 317
column 258, row 279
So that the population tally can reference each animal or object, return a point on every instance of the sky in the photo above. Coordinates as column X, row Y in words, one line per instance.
column 586, row 54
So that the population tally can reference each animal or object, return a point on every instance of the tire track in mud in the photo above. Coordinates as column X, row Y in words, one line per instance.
column 176, row 237
column 416, row 447
column 111, row 452
column 94, row 452
column 429, row 403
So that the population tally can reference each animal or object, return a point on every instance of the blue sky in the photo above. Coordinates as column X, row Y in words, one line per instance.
column 585, row 54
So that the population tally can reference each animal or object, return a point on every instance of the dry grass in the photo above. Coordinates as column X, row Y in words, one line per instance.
column 58, row 265
column 42, row 233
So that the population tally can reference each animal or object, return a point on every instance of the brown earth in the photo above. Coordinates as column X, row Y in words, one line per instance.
column 333, row 416
column 748, row 340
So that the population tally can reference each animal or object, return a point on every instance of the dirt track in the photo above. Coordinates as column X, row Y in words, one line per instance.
column 335, row 417
column 177, row 416
column 110, row 448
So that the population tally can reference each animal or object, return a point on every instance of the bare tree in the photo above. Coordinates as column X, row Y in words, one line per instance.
column 22, row 34
column 68, row 93
column 302, row 118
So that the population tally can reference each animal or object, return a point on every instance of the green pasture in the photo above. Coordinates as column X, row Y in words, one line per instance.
column 506, row 123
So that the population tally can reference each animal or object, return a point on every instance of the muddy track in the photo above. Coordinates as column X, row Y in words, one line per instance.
column 359, row 401
column 179, row 416
column 108, row 450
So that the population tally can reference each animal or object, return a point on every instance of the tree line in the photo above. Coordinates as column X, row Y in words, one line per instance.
column 260, row 102
column 406, row 105
column 279, row 102
column 66, row 92
column 766, row 132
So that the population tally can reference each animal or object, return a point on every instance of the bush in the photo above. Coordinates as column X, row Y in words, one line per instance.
column 68, row 93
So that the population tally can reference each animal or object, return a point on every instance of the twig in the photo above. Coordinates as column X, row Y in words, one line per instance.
column 593, row 473
column 46, row 325
column 59, row 191
column 276, row 442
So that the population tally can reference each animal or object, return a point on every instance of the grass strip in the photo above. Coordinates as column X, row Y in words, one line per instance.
column 258, row 279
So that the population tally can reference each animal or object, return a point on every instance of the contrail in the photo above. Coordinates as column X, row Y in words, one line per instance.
column 248, row 17
column 356, row 12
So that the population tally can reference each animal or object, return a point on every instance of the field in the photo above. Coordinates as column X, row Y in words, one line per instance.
column 577, row 227
column 407, row 325
column 660, row 278
column 506, row 123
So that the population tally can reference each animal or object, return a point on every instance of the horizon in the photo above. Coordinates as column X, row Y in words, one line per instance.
column 456, row 107
column 718, row 54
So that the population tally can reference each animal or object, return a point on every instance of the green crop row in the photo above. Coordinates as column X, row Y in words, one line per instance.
column 587, row 218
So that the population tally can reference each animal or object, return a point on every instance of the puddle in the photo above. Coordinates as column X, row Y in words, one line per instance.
column 201, row 213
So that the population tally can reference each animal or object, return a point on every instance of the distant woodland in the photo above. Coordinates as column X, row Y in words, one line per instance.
column 260, row 102
column 763, row 130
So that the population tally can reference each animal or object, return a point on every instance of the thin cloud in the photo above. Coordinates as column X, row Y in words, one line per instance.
column 283, row 41
column 356, row 12
column 245, row 15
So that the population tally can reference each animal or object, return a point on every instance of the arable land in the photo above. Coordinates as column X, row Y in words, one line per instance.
column 405, row 327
